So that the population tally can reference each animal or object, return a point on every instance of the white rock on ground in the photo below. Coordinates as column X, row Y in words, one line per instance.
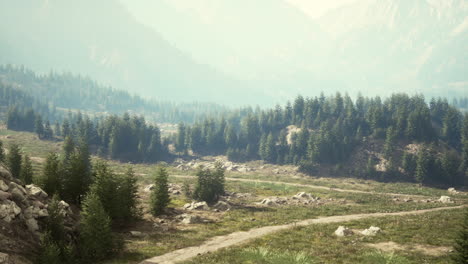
column 149, row 188
column 302, row 195
column 196, row 206
column 136, row 233
column 343, row 231
column 452, row 190
column 445, row 199
column 371, row 231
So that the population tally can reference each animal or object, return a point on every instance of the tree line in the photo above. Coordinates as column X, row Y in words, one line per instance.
column 326, row 131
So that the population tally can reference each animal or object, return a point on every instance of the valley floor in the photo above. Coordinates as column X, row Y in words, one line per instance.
column 265, row 221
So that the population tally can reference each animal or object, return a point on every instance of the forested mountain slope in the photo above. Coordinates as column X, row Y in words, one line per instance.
column 76, row 93
column 101, row 39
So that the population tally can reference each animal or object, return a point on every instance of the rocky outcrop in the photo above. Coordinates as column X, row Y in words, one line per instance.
column 23, row 212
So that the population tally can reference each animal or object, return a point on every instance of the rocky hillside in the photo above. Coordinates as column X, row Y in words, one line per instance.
column 23, row 213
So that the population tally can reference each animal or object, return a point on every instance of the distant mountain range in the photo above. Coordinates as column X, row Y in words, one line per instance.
column 244, row 51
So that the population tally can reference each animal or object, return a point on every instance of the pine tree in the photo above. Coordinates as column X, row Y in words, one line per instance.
column 50, row 181
column 39, row 127
column 13, row 160
column 422, row 166
column 96, row 239
column 68, row 148
column 48, row 133
column 390, row 142
column 105, row 186
column 57, row 130
column 66, row 131
column 370, row 168
column 160, row 197
column 408, row 163
column 2, row 154
column 77, row 180
column 210, row 184
column 26, row 174
column 180, row 144
column 128, row 197
column 461, row 244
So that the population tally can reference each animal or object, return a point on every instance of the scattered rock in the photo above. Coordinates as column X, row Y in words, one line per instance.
column 222, row 206
column 371, row 231
column 302, row 195
column 149, row 188
column 343, row 231
column 136, row 234
column 191, row 219
column 452, row 190
column 445, row 199
column 197, row 206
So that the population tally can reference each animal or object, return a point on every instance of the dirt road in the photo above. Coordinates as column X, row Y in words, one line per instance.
column 236, row 238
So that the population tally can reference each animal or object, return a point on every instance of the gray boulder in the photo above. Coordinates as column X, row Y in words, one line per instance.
column 3, row 186
column 4, row 195
column 36, row 191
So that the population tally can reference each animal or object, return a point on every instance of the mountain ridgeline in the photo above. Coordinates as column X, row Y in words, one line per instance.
column 243, row 52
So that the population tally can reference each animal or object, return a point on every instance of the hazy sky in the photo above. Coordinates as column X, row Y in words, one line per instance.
column 316, row 8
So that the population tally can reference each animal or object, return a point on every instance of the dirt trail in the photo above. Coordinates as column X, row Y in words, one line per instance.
column 236, row 238
column 310, row 186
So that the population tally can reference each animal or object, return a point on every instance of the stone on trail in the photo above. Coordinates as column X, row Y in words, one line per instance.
column 343, row 231
column 452, row 190
column 371, row 231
